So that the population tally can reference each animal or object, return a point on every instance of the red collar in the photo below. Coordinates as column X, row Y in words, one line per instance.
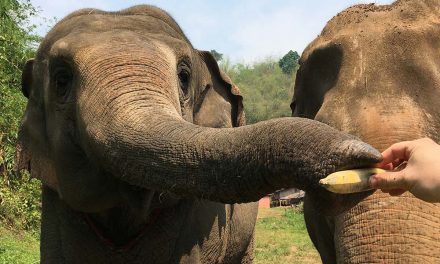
column 127, row 246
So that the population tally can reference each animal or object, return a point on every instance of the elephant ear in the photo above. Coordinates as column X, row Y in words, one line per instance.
column 220, row 104
column 318, row 73
column 32, row 152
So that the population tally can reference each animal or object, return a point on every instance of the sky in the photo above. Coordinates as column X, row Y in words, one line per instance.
column 245, row 31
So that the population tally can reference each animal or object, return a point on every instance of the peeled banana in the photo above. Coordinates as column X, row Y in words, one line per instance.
column 349, row 181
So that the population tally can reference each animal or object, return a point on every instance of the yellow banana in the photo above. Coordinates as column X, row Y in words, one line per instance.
column 349, row 181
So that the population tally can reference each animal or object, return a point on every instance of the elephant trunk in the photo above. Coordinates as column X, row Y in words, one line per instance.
column 382, row 227
column 392, row 229
column 131, row 124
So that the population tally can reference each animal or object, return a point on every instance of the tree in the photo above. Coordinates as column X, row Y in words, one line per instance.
column 217, row 56
column 289, row 62
column 266, row 90
column 19, row 196
column 17, row 43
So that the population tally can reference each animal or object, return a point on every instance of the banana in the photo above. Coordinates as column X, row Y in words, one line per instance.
column 349, row 181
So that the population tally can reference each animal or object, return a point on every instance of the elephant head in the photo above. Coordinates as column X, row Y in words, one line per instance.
column 374, row 72
column 123, row 99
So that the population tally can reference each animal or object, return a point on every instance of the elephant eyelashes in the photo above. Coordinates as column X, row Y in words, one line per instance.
column 184, row 74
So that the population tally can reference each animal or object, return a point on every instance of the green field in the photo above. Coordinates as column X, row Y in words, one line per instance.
column 21, row 248
column 281, row 237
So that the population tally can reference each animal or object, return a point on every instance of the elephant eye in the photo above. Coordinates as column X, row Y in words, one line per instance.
column 62, row 81
column 184, row 74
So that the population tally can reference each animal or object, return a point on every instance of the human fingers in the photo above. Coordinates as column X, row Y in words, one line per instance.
column 389, row 180
column 388, row 166
column 397, row 151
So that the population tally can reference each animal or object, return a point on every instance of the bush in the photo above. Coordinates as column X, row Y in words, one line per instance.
column 19, row 195
column 20, row 202
column 266, row 90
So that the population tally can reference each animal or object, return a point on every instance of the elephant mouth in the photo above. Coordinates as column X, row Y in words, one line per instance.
column 39, row 167
column 120, row 246
column 332, row 204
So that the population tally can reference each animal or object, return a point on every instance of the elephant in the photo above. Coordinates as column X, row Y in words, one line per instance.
column 140, row 143
column 374, row 72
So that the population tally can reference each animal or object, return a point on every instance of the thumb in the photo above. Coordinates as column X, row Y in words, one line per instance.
column 389, row 180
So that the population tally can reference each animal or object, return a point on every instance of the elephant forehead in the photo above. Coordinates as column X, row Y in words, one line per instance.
column 103, row 27
column 96, row 20
column 401, row 14
column 403, row 24
column 390, row 121
column 379, row 121
column 113, row 41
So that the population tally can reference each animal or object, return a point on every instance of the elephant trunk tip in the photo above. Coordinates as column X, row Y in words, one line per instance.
column 361, row 154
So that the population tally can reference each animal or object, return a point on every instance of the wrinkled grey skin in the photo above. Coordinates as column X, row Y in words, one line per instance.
column 135, row 136
column 374, row 73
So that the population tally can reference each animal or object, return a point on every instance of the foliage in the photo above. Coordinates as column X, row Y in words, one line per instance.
column 16, row 41
column 281, row 237
column 289, row 62
column 20, row 203
column 267, row 92
column 217, row 56
column 19, row 196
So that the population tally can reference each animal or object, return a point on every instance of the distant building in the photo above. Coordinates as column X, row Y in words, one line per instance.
column 264, row 202
column 286, row 197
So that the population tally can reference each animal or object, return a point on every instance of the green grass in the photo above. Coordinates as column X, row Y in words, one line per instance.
column 17, row 248
column 281, row 237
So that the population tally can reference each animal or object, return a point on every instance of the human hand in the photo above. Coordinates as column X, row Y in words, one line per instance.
column 421, row 176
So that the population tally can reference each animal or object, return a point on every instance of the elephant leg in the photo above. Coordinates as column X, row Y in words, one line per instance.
column 240, row 246
column 321, row 230
column 248, row 257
